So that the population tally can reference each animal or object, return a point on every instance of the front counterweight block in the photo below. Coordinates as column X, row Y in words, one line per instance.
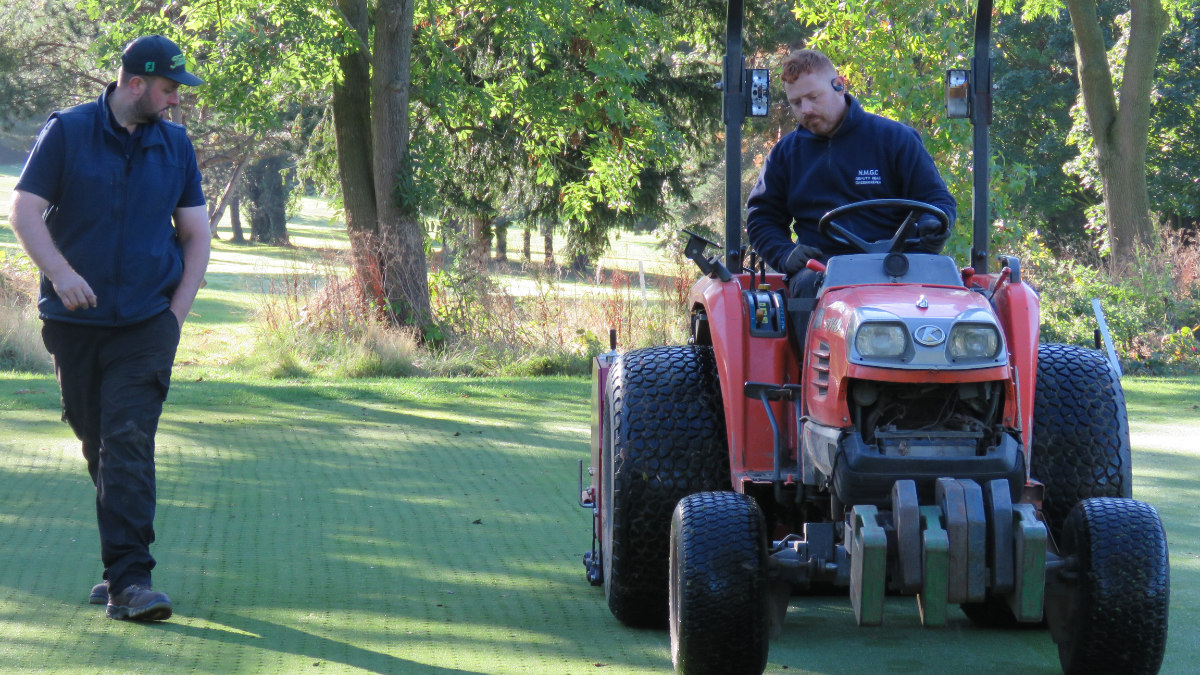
column 868, row 565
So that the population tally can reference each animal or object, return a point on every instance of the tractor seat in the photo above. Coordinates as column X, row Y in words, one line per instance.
column 891, row 268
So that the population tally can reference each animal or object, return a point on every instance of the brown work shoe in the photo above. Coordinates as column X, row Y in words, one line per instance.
column 139, row 603
column 99, row 594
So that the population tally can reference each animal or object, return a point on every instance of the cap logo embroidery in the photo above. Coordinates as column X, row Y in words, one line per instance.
column 149, row 66
column 177, row 61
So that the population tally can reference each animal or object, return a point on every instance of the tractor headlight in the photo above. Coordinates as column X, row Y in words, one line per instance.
column 881, row 340
column 973, row 341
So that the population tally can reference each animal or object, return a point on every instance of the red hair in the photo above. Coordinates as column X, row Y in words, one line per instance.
column 805, row 61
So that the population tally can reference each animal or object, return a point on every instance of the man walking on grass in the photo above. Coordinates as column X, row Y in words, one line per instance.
column 109, row 207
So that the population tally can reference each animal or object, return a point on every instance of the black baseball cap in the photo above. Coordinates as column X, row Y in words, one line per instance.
column 156, row 55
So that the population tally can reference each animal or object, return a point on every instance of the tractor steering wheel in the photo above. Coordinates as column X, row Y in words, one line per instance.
column 836, row 232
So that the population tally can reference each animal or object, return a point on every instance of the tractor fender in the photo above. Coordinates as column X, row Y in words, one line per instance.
column 742, row 357
column 1017, row 307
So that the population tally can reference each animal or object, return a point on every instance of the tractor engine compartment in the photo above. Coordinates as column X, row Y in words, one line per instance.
column 917, row 431
column 928, row 419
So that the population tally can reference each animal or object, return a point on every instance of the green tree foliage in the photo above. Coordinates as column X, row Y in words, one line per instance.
column 1041, row 125
column 581, row 112
column 893, row 54
column 1035, row 88
column 1173, row 161
column 1116, row 82
column 256, row 60
column 771, row 31
column 46, row 59
column 571, row 108
column 261, row 71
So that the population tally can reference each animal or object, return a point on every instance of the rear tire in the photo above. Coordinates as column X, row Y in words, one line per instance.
column 665, row 440
column 1115, row 617
column 1080, row 431
column 718, row 599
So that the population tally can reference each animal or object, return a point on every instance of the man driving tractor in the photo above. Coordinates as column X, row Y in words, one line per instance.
column 839, row 154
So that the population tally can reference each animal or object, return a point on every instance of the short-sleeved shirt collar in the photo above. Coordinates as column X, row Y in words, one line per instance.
column 115, row 127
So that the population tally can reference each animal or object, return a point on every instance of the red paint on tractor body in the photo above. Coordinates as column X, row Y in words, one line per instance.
column 827, row 370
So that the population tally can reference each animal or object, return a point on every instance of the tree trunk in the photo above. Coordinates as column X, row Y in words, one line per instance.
column 268, row 190
column 548, row 238
column 526, row 242
column 352, row 131
column 480, row 242
column 450, row 238
column 579, row 264
column 228, row 193
column 401, row 235
column 500, row 227
column 1120, row 121
column 235, row 218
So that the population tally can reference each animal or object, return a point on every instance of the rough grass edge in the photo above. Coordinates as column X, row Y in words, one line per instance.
column 21, row 347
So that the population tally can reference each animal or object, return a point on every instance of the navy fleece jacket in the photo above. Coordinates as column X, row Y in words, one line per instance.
column 806, row 175
column 112, row 198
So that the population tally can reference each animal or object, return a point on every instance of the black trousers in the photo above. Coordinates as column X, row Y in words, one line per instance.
column 114, row 382
column 802, row 293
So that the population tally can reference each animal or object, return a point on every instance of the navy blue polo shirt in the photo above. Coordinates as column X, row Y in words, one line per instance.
column 112, row 195
column 806, row 175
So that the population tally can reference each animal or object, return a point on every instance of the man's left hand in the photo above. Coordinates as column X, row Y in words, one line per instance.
column 929, row 229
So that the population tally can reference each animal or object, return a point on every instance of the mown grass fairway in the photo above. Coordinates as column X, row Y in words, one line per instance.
column 428, row 526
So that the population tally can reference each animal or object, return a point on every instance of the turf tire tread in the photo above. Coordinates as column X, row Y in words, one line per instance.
column 1123, row 592
column 719, row 622
column 668, row 441
column 1080, row 446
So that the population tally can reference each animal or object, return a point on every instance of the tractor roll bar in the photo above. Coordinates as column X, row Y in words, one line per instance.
column 735, row 115
column 981, row 117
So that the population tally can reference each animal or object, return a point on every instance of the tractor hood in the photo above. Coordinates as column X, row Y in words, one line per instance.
column 913, row 326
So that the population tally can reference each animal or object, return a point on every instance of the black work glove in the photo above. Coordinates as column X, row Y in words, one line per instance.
column 933, row 240
column 799, row 257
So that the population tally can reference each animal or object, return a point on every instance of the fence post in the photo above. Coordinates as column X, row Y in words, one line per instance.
column 642, row 279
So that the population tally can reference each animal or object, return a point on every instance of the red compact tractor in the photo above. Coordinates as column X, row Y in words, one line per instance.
column 924, row 443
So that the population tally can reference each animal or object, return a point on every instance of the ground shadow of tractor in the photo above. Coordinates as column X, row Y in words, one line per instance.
column 820, row 635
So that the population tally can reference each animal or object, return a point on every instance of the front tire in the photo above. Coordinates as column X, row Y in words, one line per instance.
column 665, row 440
column 718, row 598
column 1114, row 618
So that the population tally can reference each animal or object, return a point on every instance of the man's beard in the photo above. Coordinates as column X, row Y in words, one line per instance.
column 817, row 124
column 144, row 112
